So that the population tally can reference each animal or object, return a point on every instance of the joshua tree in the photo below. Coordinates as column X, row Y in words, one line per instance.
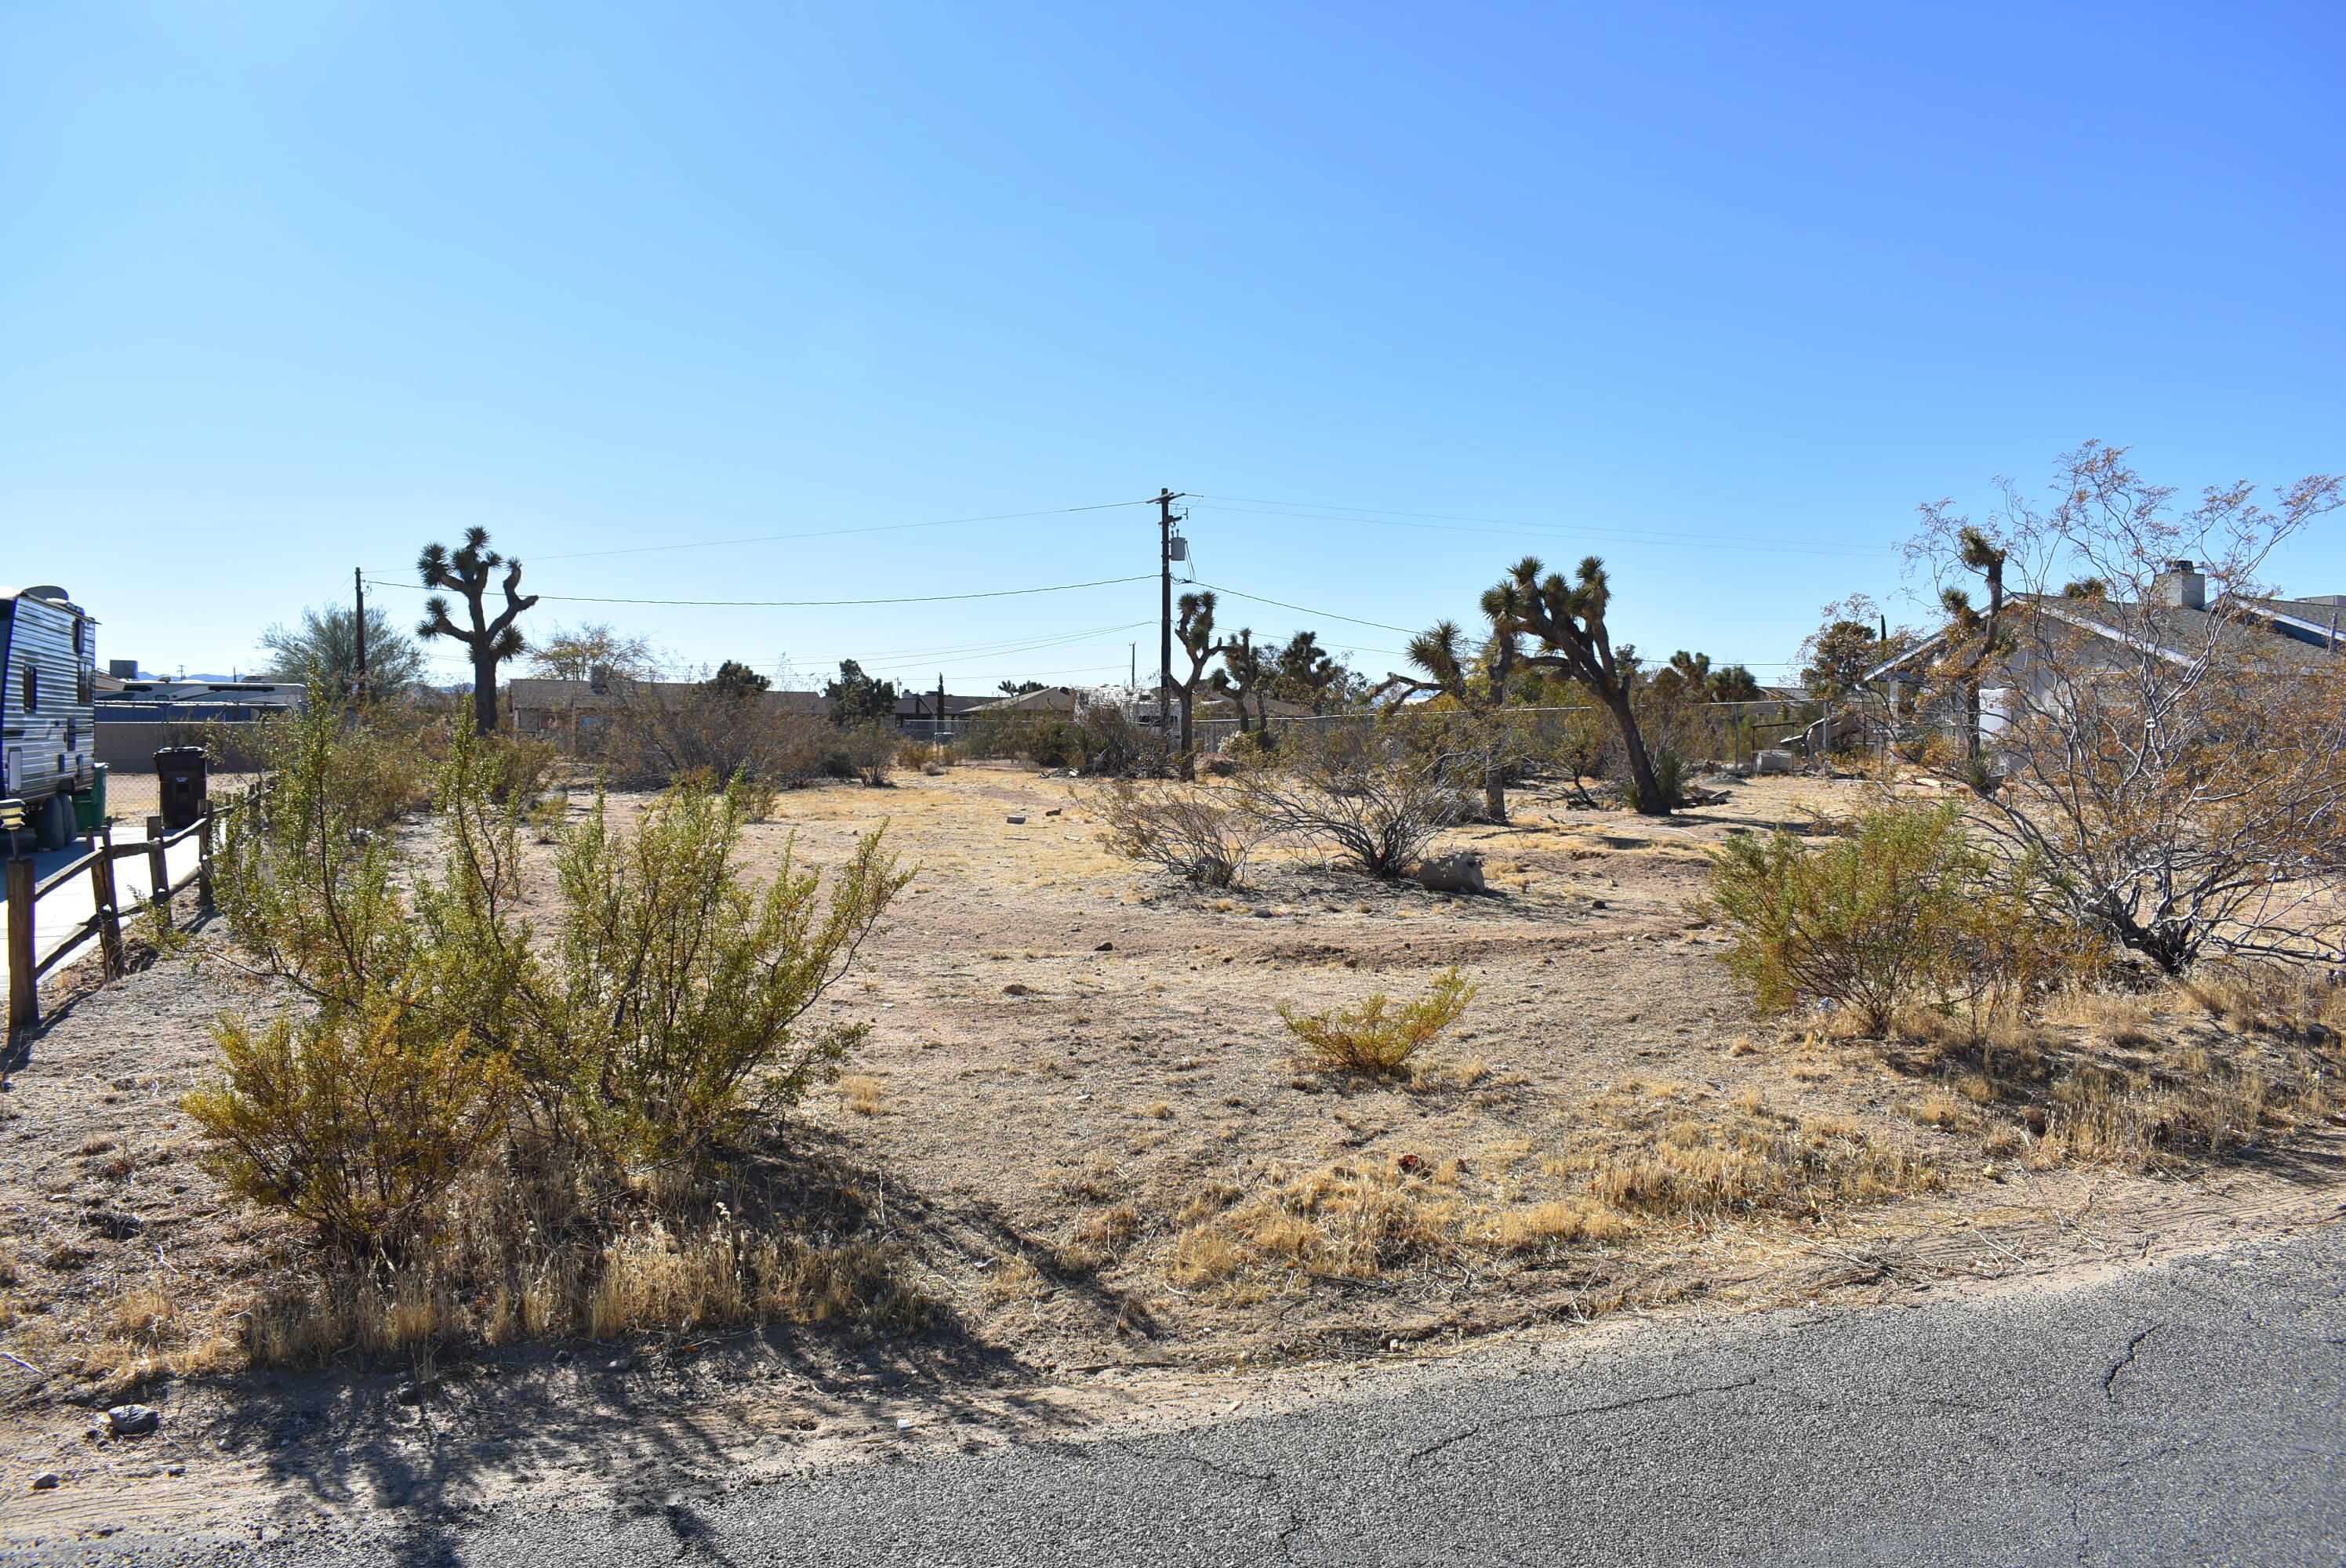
column 1245, row 675
column 856, row 697
column 736, row 682
column 1195, row 632
column 1475, row 683
column 1691, row 677
column 488, row 641
column 1306, row 672
column 1979, row 638
column 1569, row 620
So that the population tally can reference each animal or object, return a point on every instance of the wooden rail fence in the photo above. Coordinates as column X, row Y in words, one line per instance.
column 26, row 892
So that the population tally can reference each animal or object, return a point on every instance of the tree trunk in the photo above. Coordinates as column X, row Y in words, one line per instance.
column 484, row 696
column 1641, row 767
column 1494, row 793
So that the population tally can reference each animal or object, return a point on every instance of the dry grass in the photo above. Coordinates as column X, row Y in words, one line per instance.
column 1759, row 1160
column 650, row 1280
column 863, row 1094
column 1562, row 1222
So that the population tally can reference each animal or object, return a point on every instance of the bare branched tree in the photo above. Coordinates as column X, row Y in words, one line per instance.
column 1377, row 798
column 2173, row 747
column 577, row 654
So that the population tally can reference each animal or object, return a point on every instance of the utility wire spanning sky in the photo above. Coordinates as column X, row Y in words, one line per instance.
column 827, row 301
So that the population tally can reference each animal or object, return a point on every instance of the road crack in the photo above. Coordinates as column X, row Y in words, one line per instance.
column 1477, row 1430
column 2110, row 1378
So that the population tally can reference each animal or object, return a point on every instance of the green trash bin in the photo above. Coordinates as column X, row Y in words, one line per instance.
column 89, row 810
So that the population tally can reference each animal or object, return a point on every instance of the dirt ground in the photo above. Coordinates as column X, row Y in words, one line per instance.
column 1081, row 1115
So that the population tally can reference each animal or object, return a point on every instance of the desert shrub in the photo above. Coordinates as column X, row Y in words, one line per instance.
column 1670, row 777
column 667, row 1019
column 517, row 767
column 1375, row 1036
column 863, row 751
column 306, row 882
column 661, row 732
column 356, row 1122
column 1887, row 915
column 1202, row 834
column 663, row 1019
column 383, row 757
column 1110, row 742
column 1045, row 739
column 1250, row 747
column 1379, row 801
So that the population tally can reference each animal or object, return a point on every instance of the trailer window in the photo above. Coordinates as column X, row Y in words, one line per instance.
column 32, row 689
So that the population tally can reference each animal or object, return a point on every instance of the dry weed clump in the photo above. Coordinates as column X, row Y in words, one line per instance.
column 1374, row 1037
column 1562, row 1222
column 2143, row 1080
column 1362, row 1220
column 1766, row 1161
column 863, row 1094
column 499, row 1278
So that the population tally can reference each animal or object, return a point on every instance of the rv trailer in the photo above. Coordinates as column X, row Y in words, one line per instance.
column 48, row 675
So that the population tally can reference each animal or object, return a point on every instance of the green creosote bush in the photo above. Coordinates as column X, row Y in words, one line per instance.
column 665, row 1021
column 1901, row 909
column 660, row 1025
column 1376, row 1037
column 354, row 1122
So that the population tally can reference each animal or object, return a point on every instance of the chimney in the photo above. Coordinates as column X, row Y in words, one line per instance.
column 598, row 678
column 2180, row 587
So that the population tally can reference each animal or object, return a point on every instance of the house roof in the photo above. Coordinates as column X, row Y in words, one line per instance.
column 2282, row 633
column 1049, row 699
column 538, row 691
column 924, row 704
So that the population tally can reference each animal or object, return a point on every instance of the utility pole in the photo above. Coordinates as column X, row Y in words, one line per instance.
column 1165, row 520
column 358, row 632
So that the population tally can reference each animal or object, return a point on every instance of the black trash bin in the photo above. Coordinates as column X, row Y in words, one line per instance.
column 180, row 780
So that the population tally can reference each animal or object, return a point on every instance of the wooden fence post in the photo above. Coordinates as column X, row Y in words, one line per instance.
column 24, row 985
column 158, row 869
column 204, row 863
column 109, row 912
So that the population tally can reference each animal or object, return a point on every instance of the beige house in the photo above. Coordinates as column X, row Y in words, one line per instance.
column 564, row 710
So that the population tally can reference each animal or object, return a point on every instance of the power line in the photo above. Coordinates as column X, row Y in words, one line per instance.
column 1602, row 533
column 1305, row 609
column 808, row 603
column 835, row 533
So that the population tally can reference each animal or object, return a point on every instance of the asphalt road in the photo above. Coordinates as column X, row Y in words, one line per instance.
column 2187, row 1413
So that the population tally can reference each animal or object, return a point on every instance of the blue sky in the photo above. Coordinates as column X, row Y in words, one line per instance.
column 1719, row 292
